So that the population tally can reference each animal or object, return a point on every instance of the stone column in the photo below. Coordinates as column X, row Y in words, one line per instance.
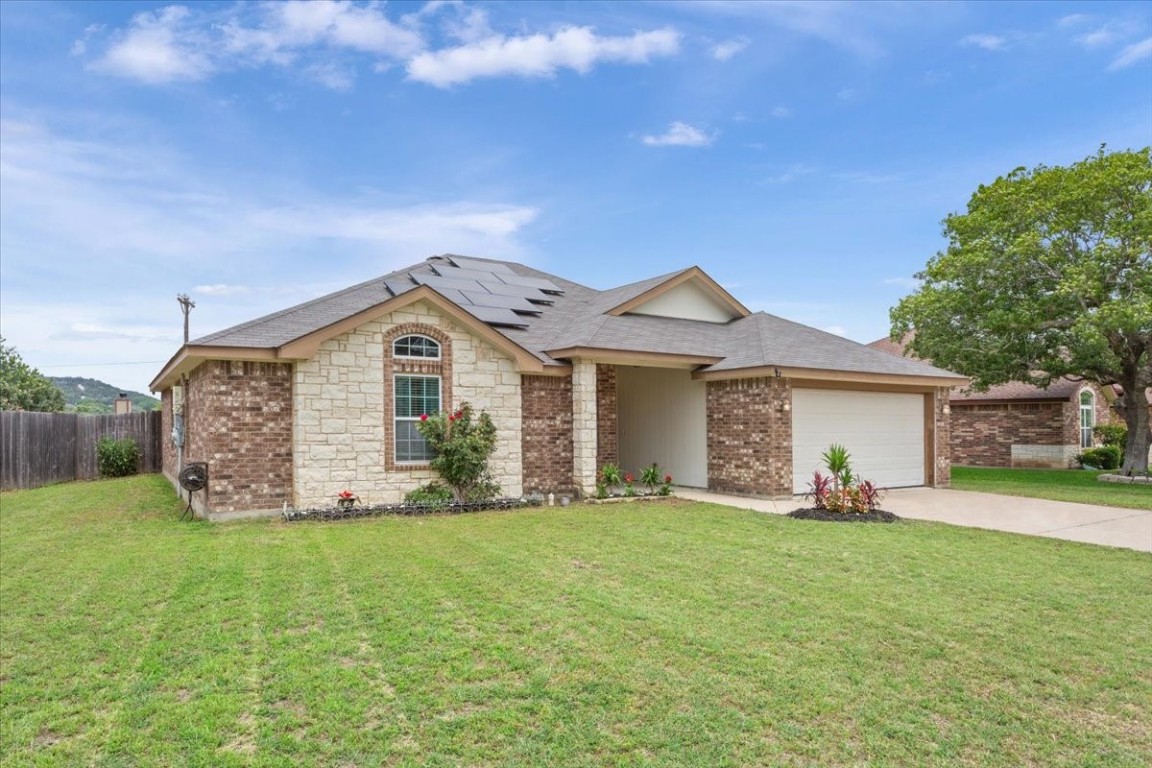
column 584, row 426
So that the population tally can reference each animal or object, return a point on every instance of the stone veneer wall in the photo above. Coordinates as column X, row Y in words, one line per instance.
column 239, row 420
column 750, row 436
column 546, row 441
column 342, row 424
column 607, row 409
column 585, row 441
column 943, row 431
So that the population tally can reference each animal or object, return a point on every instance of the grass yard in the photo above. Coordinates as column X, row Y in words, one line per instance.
column 1056, row 484
column 635, row 634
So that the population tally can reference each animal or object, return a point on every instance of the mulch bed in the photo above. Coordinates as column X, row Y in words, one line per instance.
column 879, row 516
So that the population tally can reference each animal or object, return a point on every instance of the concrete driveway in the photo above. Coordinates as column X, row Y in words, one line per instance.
column 1111, row 526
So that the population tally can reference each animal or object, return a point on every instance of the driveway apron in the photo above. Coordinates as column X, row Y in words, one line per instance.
column 1090, row 523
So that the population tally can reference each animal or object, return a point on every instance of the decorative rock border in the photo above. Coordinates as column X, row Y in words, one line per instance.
column 637, row 497
column 407, row 510
column 1134, row 479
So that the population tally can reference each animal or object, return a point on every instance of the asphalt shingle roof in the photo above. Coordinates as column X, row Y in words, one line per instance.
column 560, row 314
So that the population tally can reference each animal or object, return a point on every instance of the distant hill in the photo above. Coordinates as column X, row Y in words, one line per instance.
column 95, row 396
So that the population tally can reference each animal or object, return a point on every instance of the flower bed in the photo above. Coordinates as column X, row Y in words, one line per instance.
column 875, row 516
column 342, row 512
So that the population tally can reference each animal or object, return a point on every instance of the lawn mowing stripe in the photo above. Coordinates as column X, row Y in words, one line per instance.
column 679, row 635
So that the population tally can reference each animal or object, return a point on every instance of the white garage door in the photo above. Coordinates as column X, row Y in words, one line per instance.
column 884, row 432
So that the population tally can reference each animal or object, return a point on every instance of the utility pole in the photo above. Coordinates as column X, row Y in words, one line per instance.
column 186, row 305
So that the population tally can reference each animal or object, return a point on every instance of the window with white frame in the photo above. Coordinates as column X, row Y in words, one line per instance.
column 1087, row 417
column 414, row 396
column 416, row 346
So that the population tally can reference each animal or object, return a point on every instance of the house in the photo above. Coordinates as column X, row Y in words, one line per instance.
column 292, row 408
column 1022, row 425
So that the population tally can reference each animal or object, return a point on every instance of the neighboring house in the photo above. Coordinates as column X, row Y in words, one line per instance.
column 294, row 407
column 1021, row 425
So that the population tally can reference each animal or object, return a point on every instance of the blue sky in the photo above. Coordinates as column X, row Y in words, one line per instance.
column 257, row 155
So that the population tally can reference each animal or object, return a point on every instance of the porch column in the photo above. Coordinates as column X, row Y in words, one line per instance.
column 584, row 426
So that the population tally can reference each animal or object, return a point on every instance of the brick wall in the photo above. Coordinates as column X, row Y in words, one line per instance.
column 239, row 420
column 607, row 408
column 983, row 433
column 546, row 433
column 168, row 462
column 943, row 432
column 750, row 436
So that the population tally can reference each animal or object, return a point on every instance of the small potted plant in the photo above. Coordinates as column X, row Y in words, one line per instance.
column 347, row 500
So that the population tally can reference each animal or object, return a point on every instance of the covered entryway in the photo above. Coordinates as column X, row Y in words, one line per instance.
column 662, row 418
column 883, row 431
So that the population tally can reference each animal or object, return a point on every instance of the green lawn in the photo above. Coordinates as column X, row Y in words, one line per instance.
column 1057, row 484
column 667, row 633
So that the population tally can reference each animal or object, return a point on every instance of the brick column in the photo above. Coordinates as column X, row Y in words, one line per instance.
column 584, row 441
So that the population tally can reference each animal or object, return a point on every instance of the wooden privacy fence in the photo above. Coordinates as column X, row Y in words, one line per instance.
column 41, row 448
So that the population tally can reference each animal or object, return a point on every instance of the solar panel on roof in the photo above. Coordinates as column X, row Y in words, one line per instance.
column 399, row 286
column 498, row 316
column 456, row 273
column 486, row 299
column 483, row 266
column 453, row 295
column 435, row 281
column 531, row 282
column 523, row 291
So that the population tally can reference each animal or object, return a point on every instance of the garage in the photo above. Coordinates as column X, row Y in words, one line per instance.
column 883, row 431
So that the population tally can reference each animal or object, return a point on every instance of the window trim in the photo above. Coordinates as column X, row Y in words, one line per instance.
column 396, row 419
column 439, row 347
column 1087, row 423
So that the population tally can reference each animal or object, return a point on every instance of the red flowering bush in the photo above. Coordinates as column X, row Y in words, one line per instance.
column 463, row 446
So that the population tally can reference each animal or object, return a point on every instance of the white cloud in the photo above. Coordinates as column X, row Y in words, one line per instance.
column 327, row 41
column 680, row 135
column 540, row 55
column 287, row 27
column 159, row 47
column 838, row 330
column 1132, row 54
column 985, row 41
column 729, row 48
column 105, row 233
column 1111, row 33
column 428, row 227
column 790, row 174
column 221, row 289
column 781, row 112
column 1073, row 20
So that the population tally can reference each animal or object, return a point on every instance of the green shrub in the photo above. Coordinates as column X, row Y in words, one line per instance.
column 117, row 458
column 1111, row 434
column 463, row 447
column 432, row 493
column 1106, row 457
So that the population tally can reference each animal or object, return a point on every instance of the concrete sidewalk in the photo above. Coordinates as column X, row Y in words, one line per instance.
column 1091, row 523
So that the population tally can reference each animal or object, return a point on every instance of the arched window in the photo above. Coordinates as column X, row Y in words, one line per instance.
column 1087, row 417
column 418, row 382
column 416, row 346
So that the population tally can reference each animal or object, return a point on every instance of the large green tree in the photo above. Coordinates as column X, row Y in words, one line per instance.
column 1047, row 274
column 22, row 387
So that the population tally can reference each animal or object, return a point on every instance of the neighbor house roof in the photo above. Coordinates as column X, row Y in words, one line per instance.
column 544, row 321
column 1060, row 389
